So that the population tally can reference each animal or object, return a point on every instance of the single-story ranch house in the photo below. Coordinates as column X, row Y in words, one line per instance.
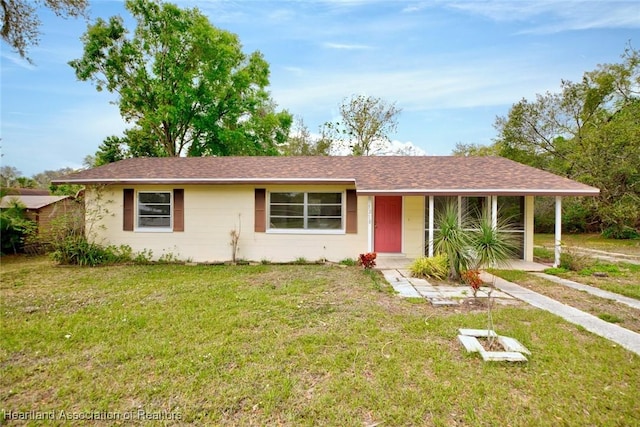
column 285, row 208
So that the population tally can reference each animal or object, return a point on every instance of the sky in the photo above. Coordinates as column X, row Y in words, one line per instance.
column 452, row 67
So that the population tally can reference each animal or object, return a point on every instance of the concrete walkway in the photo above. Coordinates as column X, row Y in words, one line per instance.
column 413, row 287
column 592, row 290
column 624, row 337
column 407, row 286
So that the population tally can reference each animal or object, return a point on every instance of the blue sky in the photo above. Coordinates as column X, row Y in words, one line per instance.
column 451, row 66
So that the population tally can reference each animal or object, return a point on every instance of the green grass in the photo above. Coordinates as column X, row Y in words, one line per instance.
column 611, row 318
column 288, row 345
column 591, row 241
column 622, row 278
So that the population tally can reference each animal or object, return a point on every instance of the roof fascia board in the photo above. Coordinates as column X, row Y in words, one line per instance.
column 208, row 181
column 482, row 192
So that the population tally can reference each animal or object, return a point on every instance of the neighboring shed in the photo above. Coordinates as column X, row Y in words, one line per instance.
column 42, row 209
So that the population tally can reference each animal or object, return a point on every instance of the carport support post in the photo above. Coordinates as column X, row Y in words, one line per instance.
column 494, row 212
column 430, row 226
column 558, row 237
column 370, row 224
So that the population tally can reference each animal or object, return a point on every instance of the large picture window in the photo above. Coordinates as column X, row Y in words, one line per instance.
column 154, row 210
column 305, row 211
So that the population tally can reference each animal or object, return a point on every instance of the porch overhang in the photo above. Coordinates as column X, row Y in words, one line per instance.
column 478, row 192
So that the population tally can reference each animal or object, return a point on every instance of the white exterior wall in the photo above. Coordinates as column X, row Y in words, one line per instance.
column 413, row 226
column 211, row 213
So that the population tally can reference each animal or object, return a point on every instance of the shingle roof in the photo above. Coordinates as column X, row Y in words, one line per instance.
column 371, row 175
column 31, row 202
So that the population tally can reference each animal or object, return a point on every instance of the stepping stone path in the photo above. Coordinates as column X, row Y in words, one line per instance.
column 412, row 287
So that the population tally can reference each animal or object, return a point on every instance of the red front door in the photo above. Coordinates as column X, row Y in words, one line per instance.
column 388, row 224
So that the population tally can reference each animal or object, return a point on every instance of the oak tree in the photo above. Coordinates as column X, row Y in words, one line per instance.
column 185, row 85
column 589, row 131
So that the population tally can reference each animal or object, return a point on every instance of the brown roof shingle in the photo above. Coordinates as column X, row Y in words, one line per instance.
column 371, row 175
column 29, row 201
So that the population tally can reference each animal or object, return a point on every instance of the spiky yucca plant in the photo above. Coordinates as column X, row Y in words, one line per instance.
column 453, row 240
column 492, row 246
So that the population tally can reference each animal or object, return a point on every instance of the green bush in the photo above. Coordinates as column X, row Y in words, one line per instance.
column 620, row 233
column 15, row 228
column 436, row 267
column 77, row 250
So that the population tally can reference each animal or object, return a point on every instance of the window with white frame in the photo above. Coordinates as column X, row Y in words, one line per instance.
column 154, row 209
column 305, row 211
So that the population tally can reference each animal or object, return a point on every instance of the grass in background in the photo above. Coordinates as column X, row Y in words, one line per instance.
column 621, row 277
column 291, row 345
column 591, row 241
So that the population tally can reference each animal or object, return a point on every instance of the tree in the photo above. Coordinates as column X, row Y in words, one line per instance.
column 301, row 143
column 8, row 176
column 589, row 131
column 21, row 25
column 185, row 85
column 366, row 124
column 466, row 150
column 43, row 179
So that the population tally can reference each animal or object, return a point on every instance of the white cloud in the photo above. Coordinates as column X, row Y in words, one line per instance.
column 16, row 60
column 345, row 46
column 557, row 16
column 420, row 87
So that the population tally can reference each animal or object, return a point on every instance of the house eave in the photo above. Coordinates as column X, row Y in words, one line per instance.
column 207, row 181
column 479, row 192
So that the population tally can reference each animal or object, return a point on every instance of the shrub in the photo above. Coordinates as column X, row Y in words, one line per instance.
column 572, row 261
column 436, row 267
column 472, row 278
column 348, row 262
column 77, row 250
column 15, row 227
column 368, row 260
column 620, row 233
column 74, row 250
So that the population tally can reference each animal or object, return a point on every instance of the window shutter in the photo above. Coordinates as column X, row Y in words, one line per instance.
column 352, row 212
column 127, row 215
column 260, row 224
column 178, row 209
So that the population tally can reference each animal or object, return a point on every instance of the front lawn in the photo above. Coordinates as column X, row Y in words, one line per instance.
column 286, row 345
